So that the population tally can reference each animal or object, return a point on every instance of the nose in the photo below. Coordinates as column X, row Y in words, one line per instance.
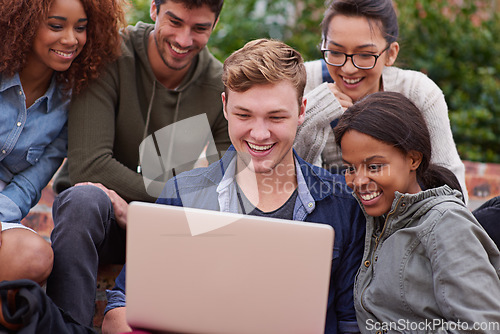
column 69, row 38
column 359, row 180
column 260, row 131
column 349, row 66
column 184, row 38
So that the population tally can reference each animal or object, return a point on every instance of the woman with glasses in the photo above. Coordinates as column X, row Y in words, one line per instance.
column 359, row 46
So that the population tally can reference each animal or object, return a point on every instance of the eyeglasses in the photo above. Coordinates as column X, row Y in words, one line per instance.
column 363, row 61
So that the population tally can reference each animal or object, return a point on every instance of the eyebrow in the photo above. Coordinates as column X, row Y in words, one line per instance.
column 277, row 111
column 175, row 17
column 62, row 18
column 357, row 47
column 242, row 109
column 365, row 160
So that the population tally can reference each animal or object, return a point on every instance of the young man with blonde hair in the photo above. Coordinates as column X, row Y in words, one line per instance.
column 261, row 175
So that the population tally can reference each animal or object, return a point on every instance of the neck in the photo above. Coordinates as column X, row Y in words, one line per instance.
column 167, row 76
column 267, row 191
column 35, row 80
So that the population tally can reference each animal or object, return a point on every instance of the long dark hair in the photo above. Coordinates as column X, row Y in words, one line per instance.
column 380, row 12
column 393, row 119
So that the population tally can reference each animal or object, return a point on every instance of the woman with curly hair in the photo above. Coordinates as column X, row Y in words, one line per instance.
column 50, row 50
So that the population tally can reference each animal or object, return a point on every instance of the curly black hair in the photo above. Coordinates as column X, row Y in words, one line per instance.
column 19, row 23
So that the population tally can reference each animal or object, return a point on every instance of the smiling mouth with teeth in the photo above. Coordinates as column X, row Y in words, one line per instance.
column 259, row 148
column 180, row 51
column 352, row 81
column 64, row 54
column 370, row 196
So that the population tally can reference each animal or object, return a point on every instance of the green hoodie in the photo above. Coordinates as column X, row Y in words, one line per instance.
column 107, row 122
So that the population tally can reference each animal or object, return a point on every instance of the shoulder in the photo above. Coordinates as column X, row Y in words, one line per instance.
column 415, row 85
column 134, row 35
column 448, row 209
column 134, row 50
column 442, row 210
column 209, row 71
column 325, row 184
column 132, row 62
column 449, row 228
column 396, row 78
column 314, row 75
column 211, row 64
column 313, row 66
column 9, row 82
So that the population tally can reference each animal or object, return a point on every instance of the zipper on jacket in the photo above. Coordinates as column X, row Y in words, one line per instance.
column 377, row 240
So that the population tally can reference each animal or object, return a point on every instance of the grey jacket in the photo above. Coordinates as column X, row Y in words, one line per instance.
column 429, row 267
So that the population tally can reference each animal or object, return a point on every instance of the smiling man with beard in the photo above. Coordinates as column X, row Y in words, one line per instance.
column 165, row 74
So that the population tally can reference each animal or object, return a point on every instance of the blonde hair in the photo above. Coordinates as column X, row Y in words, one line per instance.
column 264, row 61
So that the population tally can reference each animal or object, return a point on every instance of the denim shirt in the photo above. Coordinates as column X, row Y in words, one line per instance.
column 33, row 143
column 322, row 198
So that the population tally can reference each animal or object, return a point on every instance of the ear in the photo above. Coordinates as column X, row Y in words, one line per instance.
column 153, row 10
column 224, row 102
column 415, row 159
column 302, row 111
column 392, row 54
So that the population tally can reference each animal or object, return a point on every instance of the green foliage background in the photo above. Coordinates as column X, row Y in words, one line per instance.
column 457, row 47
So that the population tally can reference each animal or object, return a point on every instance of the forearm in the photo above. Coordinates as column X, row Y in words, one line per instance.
column 321, row 109
column 25, row 188
column 10, row 211
column 115, row 321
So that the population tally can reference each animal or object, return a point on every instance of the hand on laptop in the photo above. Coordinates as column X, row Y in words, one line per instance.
column 120, row 206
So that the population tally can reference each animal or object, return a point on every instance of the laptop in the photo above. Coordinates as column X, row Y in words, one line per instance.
column 199, row 271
